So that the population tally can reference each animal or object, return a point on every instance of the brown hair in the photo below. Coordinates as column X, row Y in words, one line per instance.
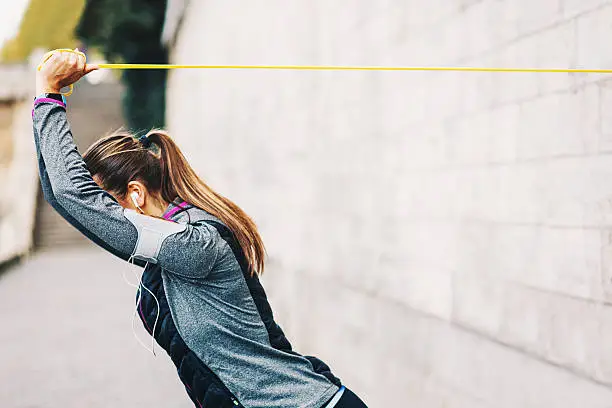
column 158, row 163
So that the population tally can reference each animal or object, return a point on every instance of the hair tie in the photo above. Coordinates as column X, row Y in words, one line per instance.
column 146, row 143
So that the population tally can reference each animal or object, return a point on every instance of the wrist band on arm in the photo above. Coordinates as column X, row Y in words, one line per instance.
column 50, row 97
column 56, row 98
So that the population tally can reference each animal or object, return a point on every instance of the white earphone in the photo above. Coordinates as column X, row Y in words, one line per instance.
column 134, row 197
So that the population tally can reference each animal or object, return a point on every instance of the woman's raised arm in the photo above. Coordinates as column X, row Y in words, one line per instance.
column 69, row 187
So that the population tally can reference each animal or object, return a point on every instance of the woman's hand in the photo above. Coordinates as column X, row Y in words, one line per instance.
column 60, row 70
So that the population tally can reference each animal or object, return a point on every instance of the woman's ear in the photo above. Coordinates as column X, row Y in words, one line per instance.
column 137, row 194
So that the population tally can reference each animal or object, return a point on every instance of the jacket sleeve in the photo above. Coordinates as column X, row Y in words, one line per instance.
column 69, row 187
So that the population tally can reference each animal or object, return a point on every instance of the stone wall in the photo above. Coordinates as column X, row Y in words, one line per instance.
column 440, row 239
column 18, row 171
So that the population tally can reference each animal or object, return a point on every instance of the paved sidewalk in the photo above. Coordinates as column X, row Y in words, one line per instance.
column 66, row 339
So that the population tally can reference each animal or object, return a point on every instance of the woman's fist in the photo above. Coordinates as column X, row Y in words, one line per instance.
column 62, row 69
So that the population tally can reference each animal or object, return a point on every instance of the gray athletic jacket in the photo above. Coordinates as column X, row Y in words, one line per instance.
column 213, row 318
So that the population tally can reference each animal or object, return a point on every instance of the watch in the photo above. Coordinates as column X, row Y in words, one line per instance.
column 56, row 96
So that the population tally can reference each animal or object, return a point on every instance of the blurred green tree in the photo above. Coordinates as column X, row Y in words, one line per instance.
column 130, row 31
column 46, row 23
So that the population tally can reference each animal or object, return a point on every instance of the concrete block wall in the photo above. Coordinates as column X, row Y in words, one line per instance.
column 440, row 239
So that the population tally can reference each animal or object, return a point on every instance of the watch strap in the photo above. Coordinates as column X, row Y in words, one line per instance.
column 56, row 96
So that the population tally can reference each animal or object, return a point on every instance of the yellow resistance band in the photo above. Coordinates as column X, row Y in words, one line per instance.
column 352, row 68
column 331, row 67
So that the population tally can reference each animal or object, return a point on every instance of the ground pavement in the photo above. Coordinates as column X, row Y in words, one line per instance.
column 66, row 338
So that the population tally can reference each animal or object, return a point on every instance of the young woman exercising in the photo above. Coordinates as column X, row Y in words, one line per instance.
column 200, row 296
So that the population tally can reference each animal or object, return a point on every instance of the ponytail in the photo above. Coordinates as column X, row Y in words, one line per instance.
column 179, row 179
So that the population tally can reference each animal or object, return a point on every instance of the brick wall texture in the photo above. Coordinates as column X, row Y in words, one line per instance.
column 440, row 239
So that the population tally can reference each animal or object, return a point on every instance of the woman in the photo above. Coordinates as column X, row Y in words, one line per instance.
column 200, row 297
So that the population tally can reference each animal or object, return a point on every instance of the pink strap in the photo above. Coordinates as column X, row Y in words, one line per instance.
column 38, row 101
column 41, row 100
column 173, row 211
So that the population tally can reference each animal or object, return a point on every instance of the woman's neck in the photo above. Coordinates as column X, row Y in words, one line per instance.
column 155, row 207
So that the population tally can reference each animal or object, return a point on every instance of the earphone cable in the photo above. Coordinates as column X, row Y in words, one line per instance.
column 138, row 300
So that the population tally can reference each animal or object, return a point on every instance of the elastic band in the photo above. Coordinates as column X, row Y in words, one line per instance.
column 357, row 68
column 334, row 67
column 60, row 50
